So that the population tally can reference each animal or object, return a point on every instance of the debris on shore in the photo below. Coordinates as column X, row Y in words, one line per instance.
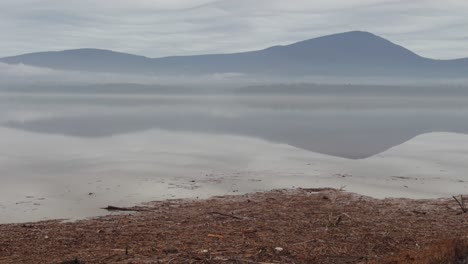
column 282, row 226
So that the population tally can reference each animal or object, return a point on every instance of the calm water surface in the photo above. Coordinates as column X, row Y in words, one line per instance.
column 340, row 125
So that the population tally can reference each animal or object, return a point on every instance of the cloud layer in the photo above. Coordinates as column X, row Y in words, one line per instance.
column 157, row 28
column 13, row 75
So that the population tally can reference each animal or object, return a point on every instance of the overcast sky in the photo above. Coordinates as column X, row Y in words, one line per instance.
column 155, row 28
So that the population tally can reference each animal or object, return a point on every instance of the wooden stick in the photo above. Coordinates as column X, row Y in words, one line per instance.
column 115, row 208
column 460, row 204
column 228, row 215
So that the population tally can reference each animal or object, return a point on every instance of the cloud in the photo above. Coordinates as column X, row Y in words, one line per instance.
column 158, row 28
column 19, row 74
column 20, row 70
column 24, row 74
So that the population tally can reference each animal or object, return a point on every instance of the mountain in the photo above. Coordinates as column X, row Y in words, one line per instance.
column 353, row 53
column 82, row 60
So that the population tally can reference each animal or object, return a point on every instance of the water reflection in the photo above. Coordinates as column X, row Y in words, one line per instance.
column 67, row 155
column 347, row 126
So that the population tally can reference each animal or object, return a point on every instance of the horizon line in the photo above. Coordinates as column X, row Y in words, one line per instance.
column 229, row 53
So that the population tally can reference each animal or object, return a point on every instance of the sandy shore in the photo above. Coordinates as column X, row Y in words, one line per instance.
column 287, row 226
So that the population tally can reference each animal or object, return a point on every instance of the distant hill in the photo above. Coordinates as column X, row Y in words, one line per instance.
column 83, row 60
column 353, row 53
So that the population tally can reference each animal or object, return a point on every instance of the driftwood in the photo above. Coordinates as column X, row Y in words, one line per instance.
column 115, row 208
column 318, row 189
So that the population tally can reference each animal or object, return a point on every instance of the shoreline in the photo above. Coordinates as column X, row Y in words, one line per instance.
column 124, row 170
column 290, row 226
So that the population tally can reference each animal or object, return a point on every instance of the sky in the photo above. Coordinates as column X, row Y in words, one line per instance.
column 156, row 28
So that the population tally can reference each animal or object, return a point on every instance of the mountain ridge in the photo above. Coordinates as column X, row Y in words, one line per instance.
column 355, row 53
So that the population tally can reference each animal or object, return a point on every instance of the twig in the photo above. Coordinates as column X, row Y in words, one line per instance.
column 338, row 220
column 117, row 225
column 174, row 258
column 115, row 208
column 318, row 189
column 461, row 204
column 228, row 215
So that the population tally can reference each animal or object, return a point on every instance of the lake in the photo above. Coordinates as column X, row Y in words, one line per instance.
column 341, row 124
column 66, row 154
